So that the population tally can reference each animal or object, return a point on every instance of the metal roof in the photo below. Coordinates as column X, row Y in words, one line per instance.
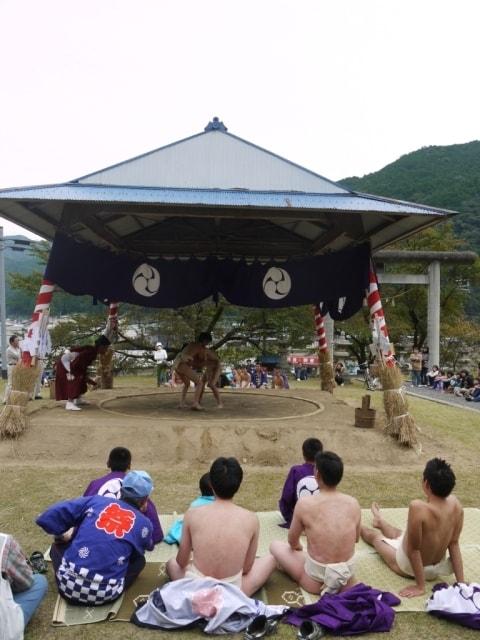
column 162, row 219
column 213, row 159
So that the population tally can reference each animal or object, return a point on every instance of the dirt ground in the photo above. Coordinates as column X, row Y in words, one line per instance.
column 261, row 428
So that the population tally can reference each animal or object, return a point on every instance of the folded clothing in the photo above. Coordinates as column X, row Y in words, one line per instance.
column 360, row 609
column 459, row 603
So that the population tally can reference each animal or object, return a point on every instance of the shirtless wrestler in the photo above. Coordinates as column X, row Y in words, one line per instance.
column 211, row 375
column 331, row 523
column 432, row 527
column 189, row 364
column 220, row 539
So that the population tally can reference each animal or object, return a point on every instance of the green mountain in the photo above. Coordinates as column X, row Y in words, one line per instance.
column 446, row 177
column 18, row 259
column 19, row 303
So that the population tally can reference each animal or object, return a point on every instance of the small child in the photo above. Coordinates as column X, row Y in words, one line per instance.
column 119, row 462
column 206, row 496
column 300, row 480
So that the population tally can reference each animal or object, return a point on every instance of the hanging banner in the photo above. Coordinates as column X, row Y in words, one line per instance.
column 82, row 269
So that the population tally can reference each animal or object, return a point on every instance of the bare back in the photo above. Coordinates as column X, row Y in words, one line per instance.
column 194, row 354
column 331, row 522
column 432, row 527
column 223, row 538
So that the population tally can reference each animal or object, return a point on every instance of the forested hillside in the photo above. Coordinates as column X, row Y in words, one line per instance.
column 20, row 301
column 447, row 177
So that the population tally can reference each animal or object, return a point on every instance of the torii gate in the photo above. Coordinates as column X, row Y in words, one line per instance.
column 432, row 279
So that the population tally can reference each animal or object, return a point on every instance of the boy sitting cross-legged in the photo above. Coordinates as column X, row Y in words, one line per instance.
column 331, row 523
column 220, row 540
column 300, row 480
column 119, row 462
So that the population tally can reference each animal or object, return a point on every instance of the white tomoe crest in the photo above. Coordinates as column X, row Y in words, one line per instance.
column 146, row 280
column 276, row 283
column 307, row 486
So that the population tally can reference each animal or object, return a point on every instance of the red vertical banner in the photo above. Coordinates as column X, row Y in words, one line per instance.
column 36, row 343
column 381, row 340
column 320, row 329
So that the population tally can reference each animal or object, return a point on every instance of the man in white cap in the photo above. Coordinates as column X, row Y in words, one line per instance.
column 160, row 356
column 106, row 553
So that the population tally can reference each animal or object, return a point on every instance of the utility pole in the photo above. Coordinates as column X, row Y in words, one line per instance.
column 3, row 311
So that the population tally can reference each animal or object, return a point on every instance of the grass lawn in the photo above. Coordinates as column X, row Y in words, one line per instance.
column 25, row 489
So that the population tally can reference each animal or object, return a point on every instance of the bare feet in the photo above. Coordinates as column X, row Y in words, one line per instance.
column 182, row 406
column 197, row 407
column 220, row 406
column 377, row 518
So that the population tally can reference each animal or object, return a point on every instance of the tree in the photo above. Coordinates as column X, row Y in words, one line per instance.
column 28, row 285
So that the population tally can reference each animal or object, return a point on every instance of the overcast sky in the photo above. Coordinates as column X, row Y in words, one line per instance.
column 342, row 87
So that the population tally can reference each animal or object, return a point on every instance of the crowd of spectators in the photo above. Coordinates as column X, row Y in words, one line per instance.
column 461, row 384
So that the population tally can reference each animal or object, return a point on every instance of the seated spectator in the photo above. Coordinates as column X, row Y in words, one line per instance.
column 466, row 383
column 433, row 527
column 451, row 382
column 440, row 380
column 286, row 385
column 259, row 378
column 119, row 462
column 206, row 496
column 339, row 373
column 279, row 379
column 244, row 378
column 235, row 377
column 473, row 394
column 300, row 480
column 220, row 539
column 331, row 523
column 432, row 374
column 28, row 588
column 106, row 554
column 226, row 378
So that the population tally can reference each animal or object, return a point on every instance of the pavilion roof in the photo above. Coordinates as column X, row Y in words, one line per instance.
column 214, row 194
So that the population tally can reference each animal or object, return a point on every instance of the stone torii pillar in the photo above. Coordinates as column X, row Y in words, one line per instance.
column 433, row 313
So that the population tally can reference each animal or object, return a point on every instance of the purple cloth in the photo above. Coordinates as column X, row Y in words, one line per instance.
column 288, row 499
column 360, row 609
column 109, row 487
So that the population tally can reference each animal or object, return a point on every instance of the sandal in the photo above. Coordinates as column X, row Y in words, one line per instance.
column 37, row 562
column 262, row 626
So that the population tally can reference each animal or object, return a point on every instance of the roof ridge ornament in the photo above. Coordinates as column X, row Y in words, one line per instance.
column 216, row 125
